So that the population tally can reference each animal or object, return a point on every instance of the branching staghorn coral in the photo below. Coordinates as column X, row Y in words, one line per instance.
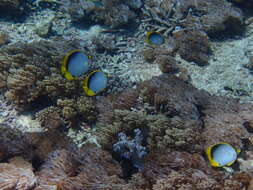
column 172, row 15
column 160, row 16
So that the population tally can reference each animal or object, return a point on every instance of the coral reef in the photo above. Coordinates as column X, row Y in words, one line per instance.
column 59, row 165
column 171, row 127
column 50, row 118
column 167, row 64
column 32, row 75
column 82, row 107
column 151, row 126
column 17, row 174
column 187, row 119
column 23, row 136
column 110, row 12
column 230, row 60
column 191, row 21
column 4, row 38
column 68, row 171
column 193, row 46
column 65, row 170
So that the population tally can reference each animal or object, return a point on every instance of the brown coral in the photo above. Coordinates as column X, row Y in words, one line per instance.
column 28, row 68
column 82, row 108
column 17, row 174
column 186, row 119
column 230, row 118
column 11, row 5
column 181, row 170
column 59, row 170
column 44, row 143
column 193, row 45
column 167, row 64
column 50, row 118
column 59, row 165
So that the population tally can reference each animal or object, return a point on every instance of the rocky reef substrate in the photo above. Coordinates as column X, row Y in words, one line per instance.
column 179, row 122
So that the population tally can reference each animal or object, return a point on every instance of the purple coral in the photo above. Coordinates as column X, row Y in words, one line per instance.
column 131, row 150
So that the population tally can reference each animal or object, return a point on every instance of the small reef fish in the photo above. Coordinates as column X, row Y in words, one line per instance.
column 78, row 64
column 154, row 38
column 222, row 154
column 95, row 82
column 75, row 64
